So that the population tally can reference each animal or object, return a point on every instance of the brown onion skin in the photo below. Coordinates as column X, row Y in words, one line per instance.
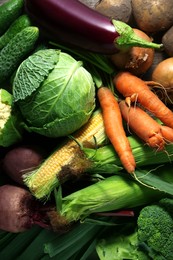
column 163, row 74
column 137, row 60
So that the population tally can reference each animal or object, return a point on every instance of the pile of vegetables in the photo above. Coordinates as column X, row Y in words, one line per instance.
column 86, row 130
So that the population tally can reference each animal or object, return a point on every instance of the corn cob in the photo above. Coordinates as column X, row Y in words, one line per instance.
column 113, row 193
column 71, row 160
column 44, row 179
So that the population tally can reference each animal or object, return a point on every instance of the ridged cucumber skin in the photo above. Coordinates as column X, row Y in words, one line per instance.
column 16, row 51
column 9, row 12
column 19, row 24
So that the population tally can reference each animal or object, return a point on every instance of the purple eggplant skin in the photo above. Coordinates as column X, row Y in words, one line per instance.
column 71, row 21
column 19, row 211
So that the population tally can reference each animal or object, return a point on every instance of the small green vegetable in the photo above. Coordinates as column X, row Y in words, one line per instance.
column 16, row 50
column 155, row 226
column 151, row 238
column 10, row 119
column 19, row 24
column 9, row 12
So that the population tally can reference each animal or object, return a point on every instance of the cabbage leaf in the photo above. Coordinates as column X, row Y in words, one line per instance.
column 32, row 72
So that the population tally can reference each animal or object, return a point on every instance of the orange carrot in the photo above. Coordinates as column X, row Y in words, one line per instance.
column 114, row 128
column 143, row 125
column 134, row 87
column 167, row 133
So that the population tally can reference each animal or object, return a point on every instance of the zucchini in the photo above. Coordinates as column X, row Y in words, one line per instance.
column 17, row 50
column 20, row 23
column 9, row 12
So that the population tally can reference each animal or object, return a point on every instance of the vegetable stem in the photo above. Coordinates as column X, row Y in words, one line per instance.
column 127, row 38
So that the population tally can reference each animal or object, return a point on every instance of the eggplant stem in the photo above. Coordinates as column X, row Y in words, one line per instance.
column 127, row 38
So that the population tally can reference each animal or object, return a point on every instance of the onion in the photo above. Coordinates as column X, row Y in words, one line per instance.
column 137, row 60
column 163, row 74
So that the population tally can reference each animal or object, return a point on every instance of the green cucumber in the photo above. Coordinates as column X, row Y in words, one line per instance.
column 9, row 12
column 20, row 23
column 18, row 48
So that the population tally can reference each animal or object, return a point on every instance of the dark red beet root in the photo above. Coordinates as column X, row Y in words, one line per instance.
column 20, row 160
column 19, row 211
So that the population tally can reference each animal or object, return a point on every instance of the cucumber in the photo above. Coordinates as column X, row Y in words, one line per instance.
column 20, row 23
column 9, row 12
column 18, row 48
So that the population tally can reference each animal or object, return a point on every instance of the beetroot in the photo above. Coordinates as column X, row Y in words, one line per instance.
column 19, row 210
column 21, row 159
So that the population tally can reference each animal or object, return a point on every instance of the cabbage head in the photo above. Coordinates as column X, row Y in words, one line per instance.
column 54, row 92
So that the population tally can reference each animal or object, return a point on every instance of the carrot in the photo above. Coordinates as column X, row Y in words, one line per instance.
column 135, row 88
column 167, row 133
column 143, row 125
column 114, row 128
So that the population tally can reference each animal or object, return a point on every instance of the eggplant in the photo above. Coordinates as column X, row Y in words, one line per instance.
column 74, row 23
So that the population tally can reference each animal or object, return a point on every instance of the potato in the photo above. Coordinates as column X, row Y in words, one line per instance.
column 90, row 3
column 153, row 16
column 119, row 9
column 167, row 41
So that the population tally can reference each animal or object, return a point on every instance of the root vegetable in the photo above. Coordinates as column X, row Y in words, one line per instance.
column 158, row 57
column 90, row 3
column 163, row 74
column 114, row 128
column 135, row 89
column 21, row 159
column 138, row 120
column 137, row 60
column 168, row 42
column 153, row 16
column 19, row 210
column 119, row 10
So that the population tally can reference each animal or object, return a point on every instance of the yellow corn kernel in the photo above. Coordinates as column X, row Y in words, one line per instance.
column 44, row 179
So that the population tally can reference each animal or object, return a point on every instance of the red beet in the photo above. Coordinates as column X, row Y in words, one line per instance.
column 19, row 211
column 20, row 160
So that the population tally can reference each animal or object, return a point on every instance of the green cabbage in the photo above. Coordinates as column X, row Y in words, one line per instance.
column 55, row 93
column 10, row 120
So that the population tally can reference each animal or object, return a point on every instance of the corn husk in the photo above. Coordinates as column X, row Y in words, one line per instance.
column 113, row 193
column 105, row 159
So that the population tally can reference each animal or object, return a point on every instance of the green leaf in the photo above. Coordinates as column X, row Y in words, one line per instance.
column 64, row 102
column 58, row 198
column 159, row 178
column 19, row 242
column 32, row 72
column 10, row 119
column 11, row 132
column 119, row 245
column 6, row 97
column 67, row 245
